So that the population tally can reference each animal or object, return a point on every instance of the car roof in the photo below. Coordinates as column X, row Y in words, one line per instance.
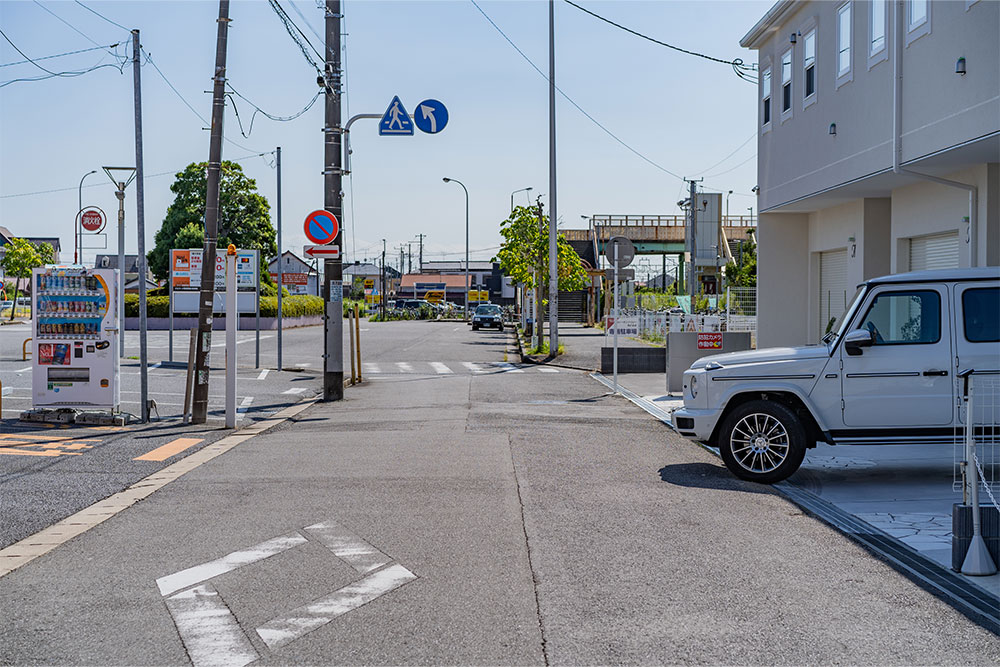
column 940, row 275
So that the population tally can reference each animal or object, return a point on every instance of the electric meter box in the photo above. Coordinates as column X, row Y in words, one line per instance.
column 75, row 338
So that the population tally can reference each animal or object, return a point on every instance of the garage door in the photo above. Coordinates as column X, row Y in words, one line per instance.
column 936, row 251
column 832, row 286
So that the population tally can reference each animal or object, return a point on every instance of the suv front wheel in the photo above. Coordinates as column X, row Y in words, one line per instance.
column 762, row 441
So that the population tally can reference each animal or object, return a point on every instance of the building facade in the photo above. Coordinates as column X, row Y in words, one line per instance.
column 878, row 150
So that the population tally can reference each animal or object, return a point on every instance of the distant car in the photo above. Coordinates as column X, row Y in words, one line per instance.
column 487, row 316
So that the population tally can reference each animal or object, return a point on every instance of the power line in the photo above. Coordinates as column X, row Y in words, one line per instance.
column 733, row 168
column 257, row 109
column 75, row 29
column 751, row 137
column 570, row 100
column 289, row 24
column 298, row 11
column 102, row 16
column 60, row 55
column 738, row 62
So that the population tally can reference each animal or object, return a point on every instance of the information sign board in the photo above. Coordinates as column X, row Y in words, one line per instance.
column 185, row 280
column 710, row 341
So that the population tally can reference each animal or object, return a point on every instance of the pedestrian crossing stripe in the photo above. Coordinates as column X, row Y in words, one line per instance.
column 442, row 368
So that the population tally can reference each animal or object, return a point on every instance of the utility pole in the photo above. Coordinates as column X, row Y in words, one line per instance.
column 539, row 307
column 409, row 256
column 553, row 215
column 333, row 174
column 199, row 407
column 421, row 257
column 381, row 296
column 140, row 216
column 281, row 260
column 693, row 236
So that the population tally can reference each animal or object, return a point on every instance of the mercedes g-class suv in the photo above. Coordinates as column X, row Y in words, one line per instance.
column 886, row 373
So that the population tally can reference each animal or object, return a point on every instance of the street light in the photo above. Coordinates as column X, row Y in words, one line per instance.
column 727, row 203
column 514, row 193
column 77, row 237
column 452, row 180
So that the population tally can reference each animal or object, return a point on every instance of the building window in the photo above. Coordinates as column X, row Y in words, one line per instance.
column 844, row 40
column 876, row 43
column 918, row 19
column 765, row 94
column 809, row 63
column 786, row 81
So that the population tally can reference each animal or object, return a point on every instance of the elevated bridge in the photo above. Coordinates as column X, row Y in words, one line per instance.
column 653, row 234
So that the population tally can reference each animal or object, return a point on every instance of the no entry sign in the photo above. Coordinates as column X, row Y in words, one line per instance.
column 321, row 227
column 92, row 219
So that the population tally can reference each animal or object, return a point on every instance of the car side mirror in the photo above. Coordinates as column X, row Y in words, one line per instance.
column 858, row 339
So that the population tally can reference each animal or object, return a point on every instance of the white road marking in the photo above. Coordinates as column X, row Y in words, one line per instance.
column 547, row 370
column 404, row 367
column 371, row 368
column 6, row 391
column 156, row 365
column 348, row 547
column 245, row 404
column 210, row 632
column 263, row 373
column 457, row 329
column 506, row 367
column 440, row 368
column 199, row 573
column 24, row 370
column 475, row 368
column 294, row 390
column 284, row 629
column 303, row 365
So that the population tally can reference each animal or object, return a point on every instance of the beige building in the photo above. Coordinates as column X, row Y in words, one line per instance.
column 878, row 149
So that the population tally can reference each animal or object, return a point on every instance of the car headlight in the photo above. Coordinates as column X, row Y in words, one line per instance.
column 694, row 386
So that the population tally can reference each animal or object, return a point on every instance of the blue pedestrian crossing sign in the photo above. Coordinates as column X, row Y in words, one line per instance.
column 395, row 120
column 430, row 116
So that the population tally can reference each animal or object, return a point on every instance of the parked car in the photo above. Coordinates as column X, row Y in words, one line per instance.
column 887, row 373
column 488, row 315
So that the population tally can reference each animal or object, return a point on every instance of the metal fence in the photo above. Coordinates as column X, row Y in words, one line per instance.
column 741, row 310
column 980, row 441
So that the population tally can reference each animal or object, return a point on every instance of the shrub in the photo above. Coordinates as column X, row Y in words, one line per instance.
column 298, row 305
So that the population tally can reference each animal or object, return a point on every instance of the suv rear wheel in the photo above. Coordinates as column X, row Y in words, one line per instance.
column 762, row 441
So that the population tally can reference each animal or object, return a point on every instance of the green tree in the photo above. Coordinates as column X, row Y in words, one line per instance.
column 20, row 258
column 244, row 217
column 743, row 273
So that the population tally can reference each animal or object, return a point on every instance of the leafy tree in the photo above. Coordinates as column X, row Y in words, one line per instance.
column 20, row 258
column 244, row 217
column 743, row 274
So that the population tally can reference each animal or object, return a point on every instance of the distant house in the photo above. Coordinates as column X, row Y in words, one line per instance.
column 6, row 236
column 131, row 269
column 366, row 275
column 299, row 275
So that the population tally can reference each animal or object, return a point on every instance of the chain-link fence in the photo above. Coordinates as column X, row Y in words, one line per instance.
column 741, row 309
column 978, row 443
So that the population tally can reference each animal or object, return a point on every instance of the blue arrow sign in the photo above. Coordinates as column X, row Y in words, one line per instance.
column 430, row 116
column 395, row 120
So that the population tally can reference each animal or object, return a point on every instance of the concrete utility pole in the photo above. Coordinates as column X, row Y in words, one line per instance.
column 382, row 289
column 199, row 407
column 333, row 174
column 693, row 236
column 140, row 216
column 281, row 260
column 409, row 256
column 553, row 215
column 420, row 259
column 539, row 306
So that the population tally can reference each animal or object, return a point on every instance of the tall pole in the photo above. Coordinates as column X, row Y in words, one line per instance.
column 333, row 174
column 140, row 221
column 120, row 194
column 77, row 233
column 381, row 295
column 693, row 273
column 539, row 306
column 281, row 259
column 553, row 212
column 465, row 316
column 199, row 406
column 420, row 259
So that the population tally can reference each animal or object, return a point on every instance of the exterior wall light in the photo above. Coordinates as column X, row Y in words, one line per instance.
column 960, row 66
column 833, row 128
column 854, row 245
column 793, row 38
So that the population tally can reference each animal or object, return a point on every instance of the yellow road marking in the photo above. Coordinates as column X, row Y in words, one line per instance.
column 44, row 452
column 166, row 451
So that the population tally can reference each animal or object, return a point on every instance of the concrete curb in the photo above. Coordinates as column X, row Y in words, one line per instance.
column 525, row 359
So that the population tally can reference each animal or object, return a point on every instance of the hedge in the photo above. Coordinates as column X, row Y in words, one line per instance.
column 298, row 305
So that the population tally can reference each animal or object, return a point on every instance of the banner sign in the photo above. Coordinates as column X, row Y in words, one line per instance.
column 626, row 326
column 291, row 278
column 710, row 341
column 185, row 280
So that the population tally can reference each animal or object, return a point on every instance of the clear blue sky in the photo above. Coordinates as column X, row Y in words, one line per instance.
column 684, row 113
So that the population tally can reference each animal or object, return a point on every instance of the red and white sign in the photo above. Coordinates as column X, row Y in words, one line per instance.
column 92, row 219
column 710, row 341
column 322, row 251
column 291, row 278
column 321, row 227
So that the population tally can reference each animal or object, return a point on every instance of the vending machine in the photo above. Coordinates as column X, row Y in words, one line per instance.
column 75, row 338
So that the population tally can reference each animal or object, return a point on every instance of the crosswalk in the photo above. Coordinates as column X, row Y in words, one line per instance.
column 450, row 368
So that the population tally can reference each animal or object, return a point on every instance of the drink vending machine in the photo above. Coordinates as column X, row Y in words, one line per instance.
column 75, row 341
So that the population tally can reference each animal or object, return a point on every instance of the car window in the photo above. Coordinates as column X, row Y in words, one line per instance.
column 904, row 318
column 487, row 310
column 981, row 314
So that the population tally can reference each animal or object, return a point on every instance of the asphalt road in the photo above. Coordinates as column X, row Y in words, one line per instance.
column 461, row 509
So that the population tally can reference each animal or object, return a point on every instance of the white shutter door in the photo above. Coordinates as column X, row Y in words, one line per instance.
column 936, row 251
column 832, row 286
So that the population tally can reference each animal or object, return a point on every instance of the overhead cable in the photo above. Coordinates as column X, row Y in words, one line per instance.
column 77, row 30
column 570, row 100
column 258, row 110
column 102, row 16
column 733, row 168
column 60, row 55
column 749, row 139
column 300, row 39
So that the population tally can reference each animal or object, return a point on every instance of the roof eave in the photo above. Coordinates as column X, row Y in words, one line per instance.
column 753, row 38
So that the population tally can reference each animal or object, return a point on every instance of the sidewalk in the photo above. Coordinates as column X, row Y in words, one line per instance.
column 582, row 346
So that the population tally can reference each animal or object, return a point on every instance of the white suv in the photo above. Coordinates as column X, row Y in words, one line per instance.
column 887, row 373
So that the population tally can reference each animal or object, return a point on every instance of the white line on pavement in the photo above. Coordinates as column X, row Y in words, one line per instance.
column 370, row 367
column 284, row 629
column 303, row 365
column 348, row 547
column 245, row 404
column 263, row 373
column 547, row 370
column 294, row 390
column 210, row 632
column 194, row 575
column 475, row 368
column 404, row 367
column 506, row 367
column 24, row 370
column 156, row 365
column 440, row 368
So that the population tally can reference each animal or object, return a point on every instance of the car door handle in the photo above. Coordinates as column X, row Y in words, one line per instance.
column 933, row 372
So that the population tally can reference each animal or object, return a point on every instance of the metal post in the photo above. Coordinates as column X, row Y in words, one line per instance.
column 333, row 275
column 553, row 213
column 140, row 221
column 256, row 363
column 978, row 561
column 77, row 232
column 617, row 315
column 350, row 331
column 232, row 319
column 189, row 378
column 357, row 338
column 170, row 314
column 199, row 410
column 281, row 260
column 120, row 194
column 692, row 288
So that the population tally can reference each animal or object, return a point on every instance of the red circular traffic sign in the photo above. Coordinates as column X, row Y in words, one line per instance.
column 92, row 219
column 321, row 227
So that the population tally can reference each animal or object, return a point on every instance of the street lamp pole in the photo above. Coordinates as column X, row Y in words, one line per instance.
column 452, row 180
column 77, row 237
column 514, row 193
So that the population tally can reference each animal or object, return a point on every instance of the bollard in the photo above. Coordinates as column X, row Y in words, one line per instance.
column 357, row 338
column 24, row 349
column 350, row 331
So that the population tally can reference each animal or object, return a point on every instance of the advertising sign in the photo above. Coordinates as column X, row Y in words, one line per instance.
column 92, row 219
column 291, row 278
column 626, row 326
column 710, row 341
column 185, row 280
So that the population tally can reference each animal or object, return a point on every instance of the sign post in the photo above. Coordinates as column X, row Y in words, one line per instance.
column 622, row 252
column 232, row 317
column 322, row 228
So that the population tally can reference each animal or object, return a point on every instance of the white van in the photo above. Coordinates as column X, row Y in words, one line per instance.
column 887, row 373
